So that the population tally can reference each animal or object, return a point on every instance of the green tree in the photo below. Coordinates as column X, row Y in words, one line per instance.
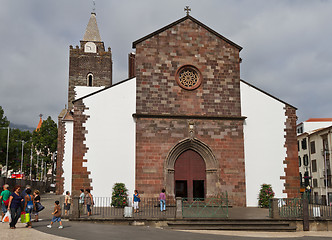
column 15, row 150
column 45, row 140
column 16, row 136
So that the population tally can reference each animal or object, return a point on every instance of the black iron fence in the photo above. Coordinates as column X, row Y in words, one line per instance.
column 293, row 207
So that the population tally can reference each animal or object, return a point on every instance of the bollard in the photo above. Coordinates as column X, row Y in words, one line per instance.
column 178, row 213
column 305, row 214
column 76, row 207
column 275, row 208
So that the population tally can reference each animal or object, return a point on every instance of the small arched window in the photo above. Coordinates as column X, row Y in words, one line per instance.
column 90, row 80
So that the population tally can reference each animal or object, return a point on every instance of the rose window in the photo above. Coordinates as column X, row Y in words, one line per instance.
column 188, row 77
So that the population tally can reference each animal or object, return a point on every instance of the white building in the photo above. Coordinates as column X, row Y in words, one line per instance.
column 153, row 131
column 314, row 149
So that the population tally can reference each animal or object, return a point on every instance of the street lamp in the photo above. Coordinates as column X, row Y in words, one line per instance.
column 7, row 150
column 23, row 142
column 30, row 162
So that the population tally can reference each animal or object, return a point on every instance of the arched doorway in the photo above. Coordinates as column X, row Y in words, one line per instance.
column 190, row 175
column 211, row 183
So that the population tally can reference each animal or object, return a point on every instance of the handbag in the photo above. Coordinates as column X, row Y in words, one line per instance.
column 7, row 218
column 6, row 202
column 39, row 207
column 25, row 217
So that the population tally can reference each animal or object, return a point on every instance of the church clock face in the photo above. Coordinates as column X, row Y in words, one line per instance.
column 188, row 77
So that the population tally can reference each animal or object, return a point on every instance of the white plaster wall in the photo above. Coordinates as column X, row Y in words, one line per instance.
column 263, row 142
column 310, row 126
column 67, row 157
column 111, row 138
column 82, row 91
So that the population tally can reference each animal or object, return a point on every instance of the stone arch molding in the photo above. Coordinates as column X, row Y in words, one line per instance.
column 212, row 179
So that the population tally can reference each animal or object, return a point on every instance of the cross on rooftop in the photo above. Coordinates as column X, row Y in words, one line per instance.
column 187, row 9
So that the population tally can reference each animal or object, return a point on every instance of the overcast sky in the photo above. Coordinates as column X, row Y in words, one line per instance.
column 286, row 44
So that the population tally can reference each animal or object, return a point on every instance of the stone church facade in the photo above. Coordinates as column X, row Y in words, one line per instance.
column 172, row 119
column 184, row 125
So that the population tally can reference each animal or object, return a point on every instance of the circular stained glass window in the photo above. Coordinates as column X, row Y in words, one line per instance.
column 188, row 77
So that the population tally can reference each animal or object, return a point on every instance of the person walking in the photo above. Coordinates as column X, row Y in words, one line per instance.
column 29, row 205
column 37, row 202
column 4, row 199
column 14, row 206
column 56, row 215
column 88, row 201
column 162, row 198
column 67, row 203
column 136, row 200
column 81, row 201
column 23, row 194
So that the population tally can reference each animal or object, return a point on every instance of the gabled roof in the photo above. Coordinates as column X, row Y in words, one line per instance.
column 182, row 20
column 101, row 90
column 92, row 31
column 317, row 131
column 267, row 93
column 68, row 116
column 319, row 120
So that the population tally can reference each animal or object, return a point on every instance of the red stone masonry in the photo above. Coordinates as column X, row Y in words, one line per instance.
column 157, row 136
column 292, row 180
column 158, row 57
column 59, row 188
column 80, row 174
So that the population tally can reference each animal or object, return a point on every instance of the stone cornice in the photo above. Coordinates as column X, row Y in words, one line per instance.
column 211, row 117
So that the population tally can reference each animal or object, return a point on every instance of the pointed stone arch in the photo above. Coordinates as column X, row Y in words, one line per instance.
column 212, row 165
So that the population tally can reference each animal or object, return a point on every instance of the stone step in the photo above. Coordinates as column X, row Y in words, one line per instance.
column 268, row 226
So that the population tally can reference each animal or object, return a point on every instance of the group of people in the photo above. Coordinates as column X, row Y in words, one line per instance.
column 137, row 199
column 85, row 198
column 16, row 202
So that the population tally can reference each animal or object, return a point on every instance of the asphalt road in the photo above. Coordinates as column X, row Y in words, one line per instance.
column 83, row 230
column 95, row 231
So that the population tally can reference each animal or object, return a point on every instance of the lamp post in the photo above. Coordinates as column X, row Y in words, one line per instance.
column 30, row 162
column 37, row 166
column 22, row 158
column 23, row 142
column 7, row 150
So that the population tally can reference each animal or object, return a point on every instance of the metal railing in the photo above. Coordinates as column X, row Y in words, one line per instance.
column 293, row 207
column 148, row 208
column 290, row 207
column 318, row 208
column 205, row 208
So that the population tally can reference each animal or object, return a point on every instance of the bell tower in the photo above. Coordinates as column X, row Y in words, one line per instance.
column 89, row 64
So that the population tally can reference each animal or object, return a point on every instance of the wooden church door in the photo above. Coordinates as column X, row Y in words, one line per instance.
column 190, row 175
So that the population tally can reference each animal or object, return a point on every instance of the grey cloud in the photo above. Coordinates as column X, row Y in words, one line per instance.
column 286, row 46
